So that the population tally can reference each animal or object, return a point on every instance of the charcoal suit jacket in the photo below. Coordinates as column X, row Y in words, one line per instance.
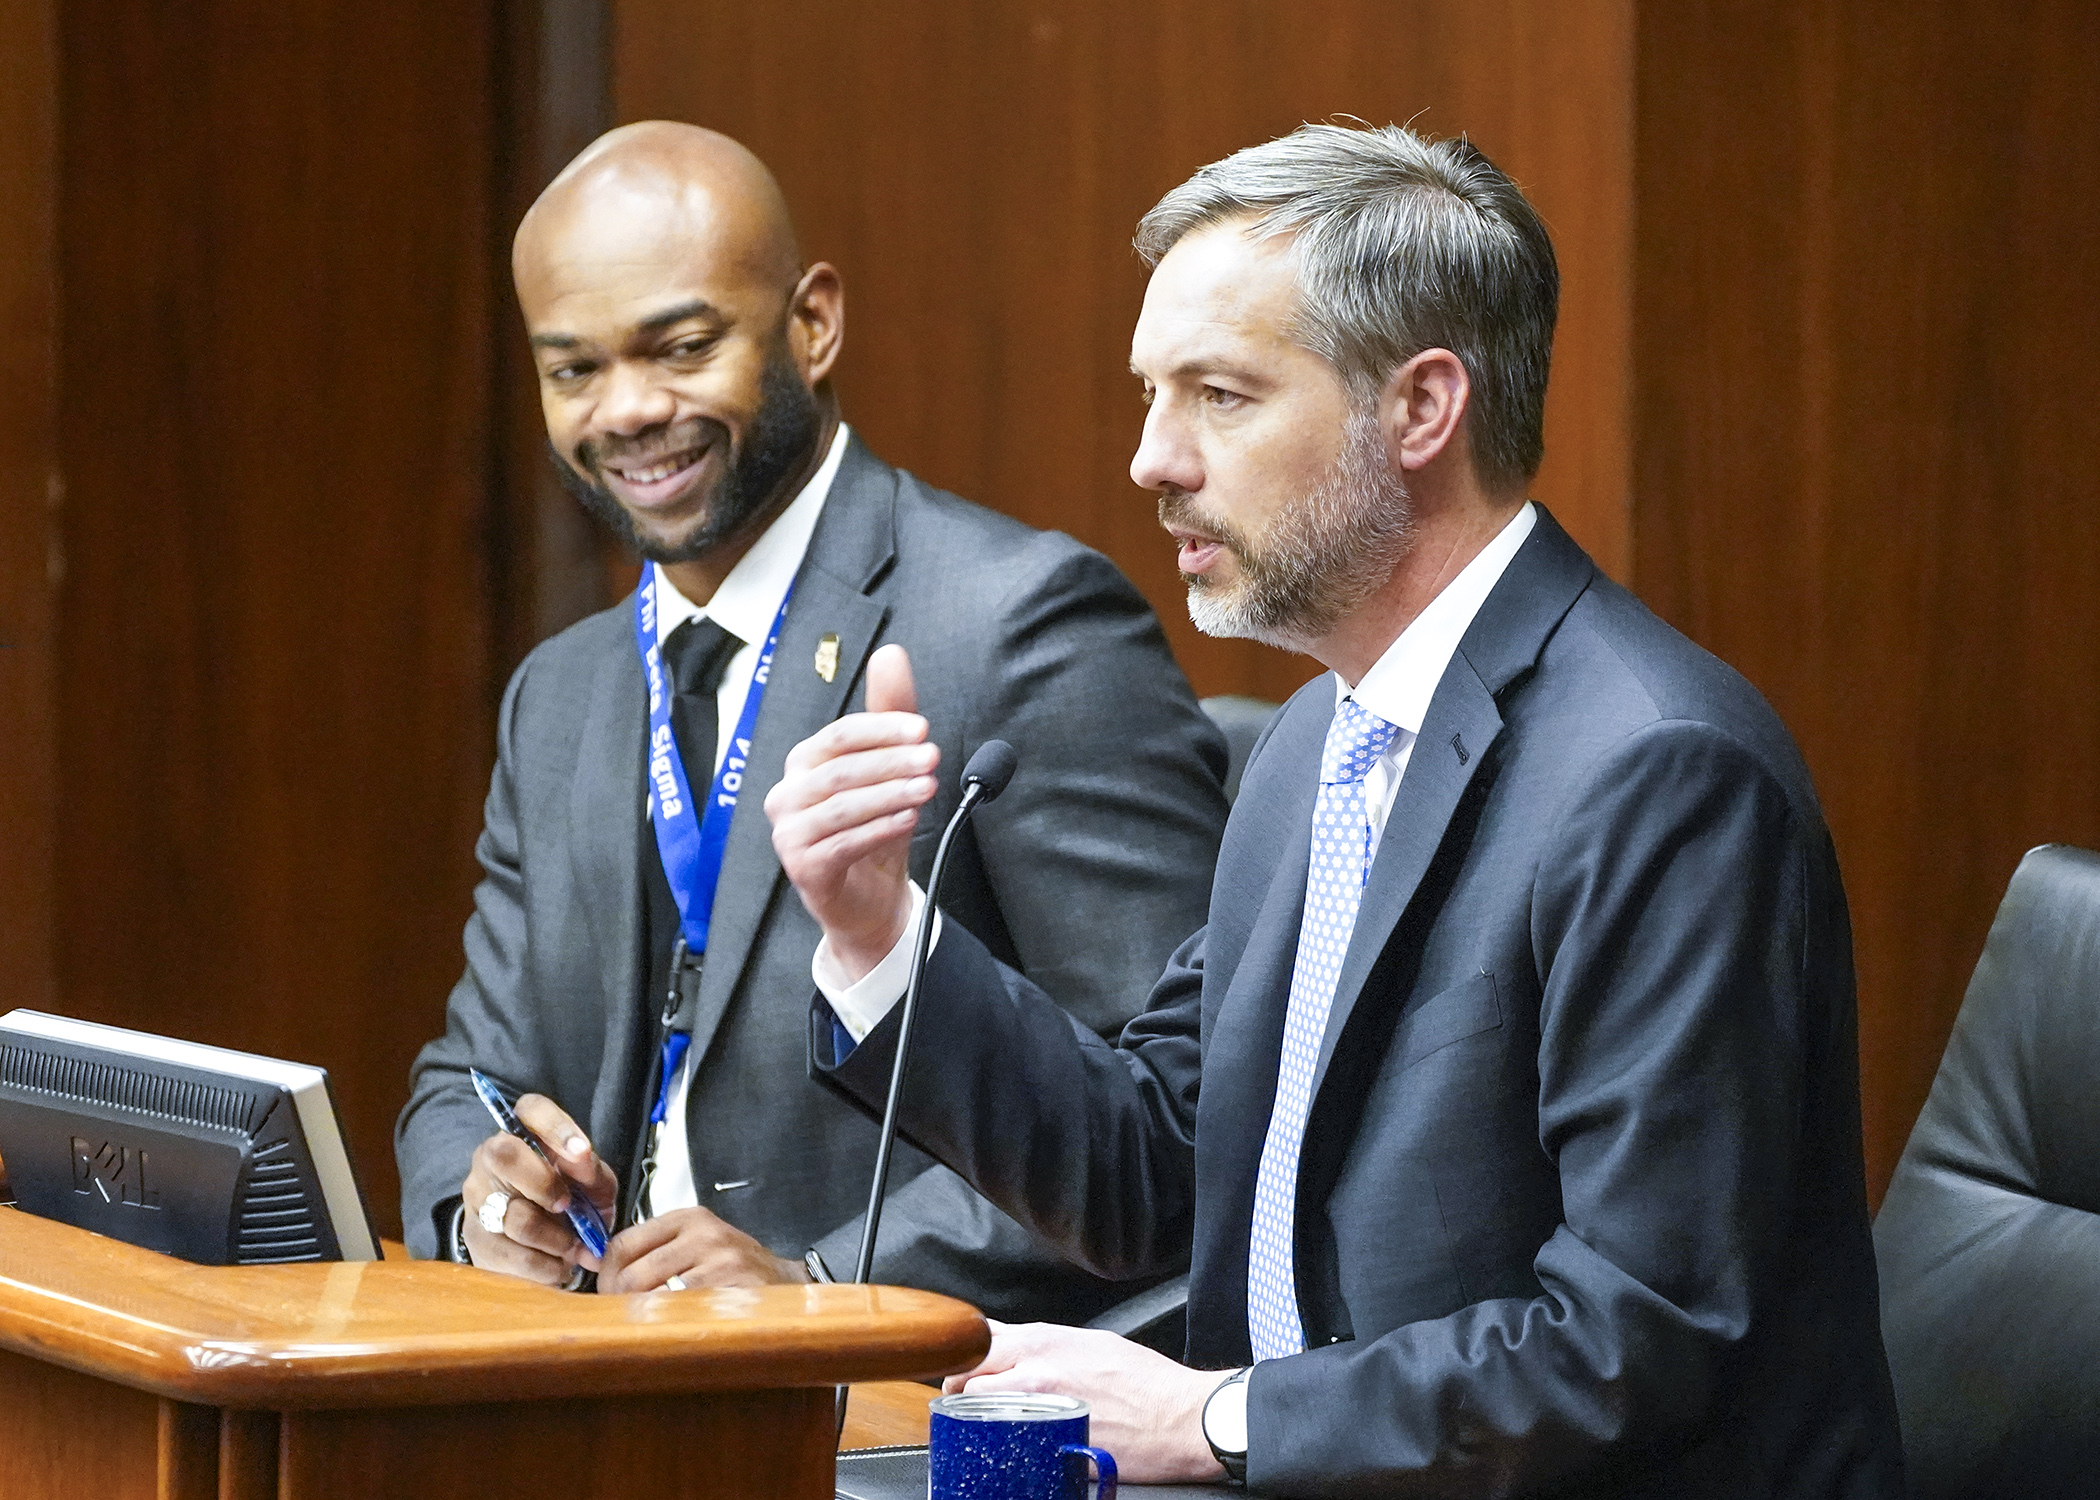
column 1580, row 1206
column 1085, row 877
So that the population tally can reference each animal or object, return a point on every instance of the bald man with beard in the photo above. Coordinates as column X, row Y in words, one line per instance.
column 653, row 1014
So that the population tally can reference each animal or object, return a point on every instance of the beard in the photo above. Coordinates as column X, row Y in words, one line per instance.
column 1316, row 561
column 782, row 436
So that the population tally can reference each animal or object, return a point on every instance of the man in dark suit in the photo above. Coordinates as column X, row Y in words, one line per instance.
column 1509, row 1093
column 685, row 357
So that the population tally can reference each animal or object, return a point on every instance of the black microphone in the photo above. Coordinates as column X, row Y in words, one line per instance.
column 984, row 778
column 989, row 770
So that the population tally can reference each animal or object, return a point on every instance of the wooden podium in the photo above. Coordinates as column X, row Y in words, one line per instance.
column 124, row 1373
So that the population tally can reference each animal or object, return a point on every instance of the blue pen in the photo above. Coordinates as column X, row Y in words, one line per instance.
column 583, row 1214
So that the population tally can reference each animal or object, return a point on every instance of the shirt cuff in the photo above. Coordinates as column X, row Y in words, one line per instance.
column 860, row 1005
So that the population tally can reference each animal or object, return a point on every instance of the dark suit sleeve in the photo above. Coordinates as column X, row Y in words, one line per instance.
column 1672, row 913
column 1088, row 871
column 444, row 1120
column 1089, row 1144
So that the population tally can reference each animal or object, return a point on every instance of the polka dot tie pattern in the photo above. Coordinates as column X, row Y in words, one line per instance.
column 1341, row 863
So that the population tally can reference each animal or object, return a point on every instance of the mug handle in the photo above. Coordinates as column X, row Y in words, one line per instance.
column 1104, row 1466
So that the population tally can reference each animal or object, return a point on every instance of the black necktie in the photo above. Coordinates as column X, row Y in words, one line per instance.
column 697, row 654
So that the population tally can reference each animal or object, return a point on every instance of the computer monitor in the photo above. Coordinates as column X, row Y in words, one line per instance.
column 218, row 1157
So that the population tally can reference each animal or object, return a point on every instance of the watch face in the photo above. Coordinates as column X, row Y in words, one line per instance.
column 1225, row 1417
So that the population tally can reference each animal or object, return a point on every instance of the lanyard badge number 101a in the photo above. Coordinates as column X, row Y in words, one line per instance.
column 690, row 841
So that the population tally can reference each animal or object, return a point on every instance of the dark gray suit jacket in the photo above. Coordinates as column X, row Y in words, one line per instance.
column 1580, row 1209
column 1085, row 874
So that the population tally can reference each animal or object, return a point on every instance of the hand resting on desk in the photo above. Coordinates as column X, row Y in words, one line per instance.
column 696, row 1247
column 1146, row 1409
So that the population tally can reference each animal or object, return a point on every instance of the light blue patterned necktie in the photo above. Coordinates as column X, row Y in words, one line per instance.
column 1341, row 863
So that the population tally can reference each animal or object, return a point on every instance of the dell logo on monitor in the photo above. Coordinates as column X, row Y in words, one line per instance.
column 117, row 1173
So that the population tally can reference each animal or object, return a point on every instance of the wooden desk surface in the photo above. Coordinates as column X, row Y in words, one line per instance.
column 887, row 1414
column 407, row 1333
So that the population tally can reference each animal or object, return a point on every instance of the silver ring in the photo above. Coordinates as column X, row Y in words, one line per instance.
column 492, row 1210
column 674, row 1283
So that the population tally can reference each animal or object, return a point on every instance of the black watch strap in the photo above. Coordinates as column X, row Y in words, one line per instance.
column 1233, row 1460
column 456, row 1236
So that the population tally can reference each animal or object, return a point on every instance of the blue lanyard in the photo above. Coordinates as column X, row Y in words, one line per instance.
column 691, row 846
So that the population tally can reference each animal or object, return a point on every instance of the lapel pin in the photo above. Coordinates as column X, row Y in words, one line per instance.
column 828, row 656
column 1460, row 746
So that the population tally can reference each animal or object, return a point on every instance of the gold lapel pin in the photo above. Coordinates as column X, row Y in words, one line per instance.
column 828, row 656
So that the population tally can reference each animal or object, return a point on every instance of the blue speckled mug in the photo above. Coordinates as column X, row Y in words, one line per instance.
column 1011, row 1445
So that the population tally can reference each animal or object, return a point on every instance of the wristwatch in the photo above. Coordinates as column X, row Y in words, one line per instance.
column 1225, row 1424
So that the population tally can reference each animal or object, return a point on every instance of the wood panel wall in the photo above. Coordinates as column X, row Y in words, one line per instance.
column 1821, row 393
column 274, row 697
column 550, row 564
column 1866, row 466
column 976, row 171
column 28, row 490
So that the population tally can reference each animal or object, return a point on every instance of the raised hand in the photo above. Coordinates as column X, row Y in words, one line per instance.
column 844, row 813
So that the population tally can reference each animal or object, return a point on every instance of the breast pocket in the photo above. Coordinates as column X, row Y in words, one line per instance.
column 1464, row 1010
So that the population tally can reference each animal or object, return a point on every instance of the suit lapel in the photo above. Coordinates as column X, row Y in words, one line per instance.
column 1462, row 712
column 1463, row 721
column 606, row 852
column 848, row 552
column 798, row 703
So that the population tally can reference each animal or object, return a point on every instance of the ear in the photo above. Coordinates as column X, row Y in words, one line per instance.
column 1423, row 408
column 817, row 322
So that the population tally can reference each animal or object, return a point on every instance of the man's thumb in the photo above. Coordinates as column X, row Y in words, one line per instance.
column 890, row 688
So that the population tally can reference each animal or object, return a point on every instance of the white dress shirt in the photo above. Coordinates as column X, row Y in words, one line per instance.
column 1402, row 681
column 744, row 605
column 1397, row 689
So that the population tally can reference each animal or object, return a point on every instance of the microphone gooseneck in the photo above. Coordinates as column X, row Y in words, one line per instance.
column 984, row 778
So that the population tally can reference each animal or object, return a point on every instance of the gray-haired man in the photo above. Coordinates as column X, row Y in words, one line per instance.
column 1509, row 1094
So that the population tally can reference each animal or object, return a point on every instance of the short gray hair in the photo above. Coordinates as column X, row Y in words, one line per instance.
column 1402, row 244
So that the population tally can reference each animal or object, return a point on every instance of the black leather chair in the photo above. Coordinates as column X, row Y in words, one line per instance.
column 1989, row 1238
column 1242, row 720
